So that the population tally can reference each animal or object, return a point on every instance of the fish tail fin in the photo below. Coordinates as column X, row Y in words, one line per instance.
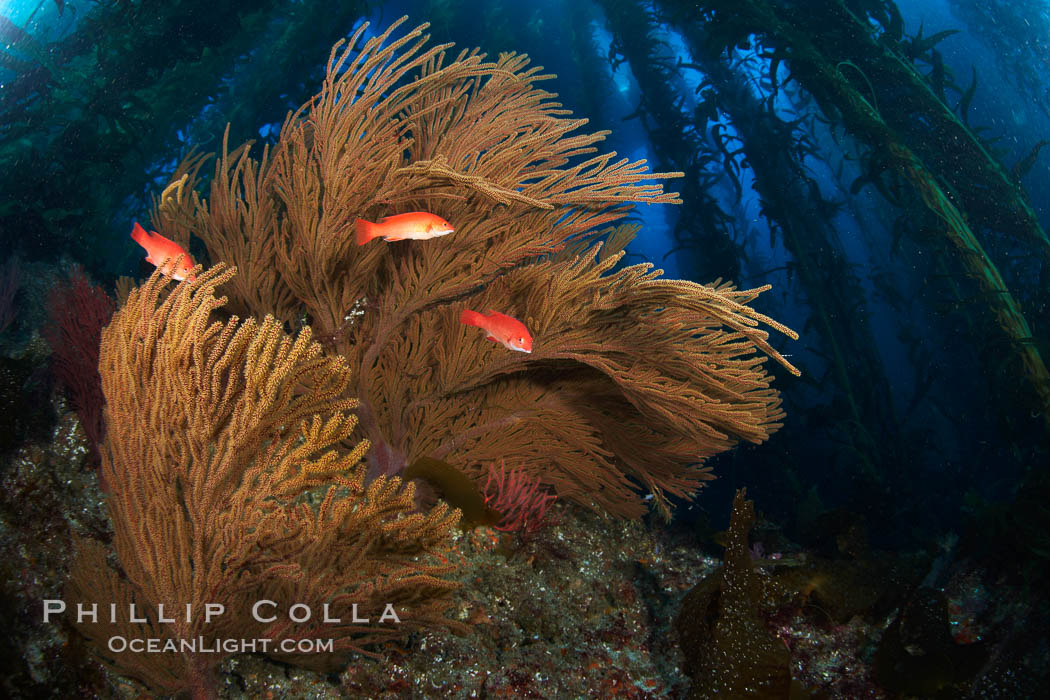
column 139, row 235
column 364, row 231
column 471, row 318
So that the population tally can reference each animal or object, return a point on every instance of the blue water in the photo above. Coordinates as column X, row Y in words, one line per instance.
column 914, row 341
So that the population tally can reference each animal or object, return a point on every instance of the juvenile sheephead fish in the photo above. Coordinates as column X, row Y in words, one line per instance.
column 162, row 253
column 415, row 225
column 501, row 328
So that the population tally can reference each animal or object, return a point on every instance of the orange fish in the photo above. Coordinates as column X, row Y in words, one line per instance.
column 502, row 328
column 415, row 225
column 162, row 253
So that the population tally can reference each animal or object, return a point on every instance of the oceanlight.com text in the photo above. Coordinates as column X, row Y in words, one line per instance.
column 200, row 645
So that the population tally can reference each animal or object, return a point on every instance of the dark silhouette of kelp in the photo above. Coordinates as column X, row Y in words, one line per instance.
column 703, row 231
column 867, row 82
column 88, row 121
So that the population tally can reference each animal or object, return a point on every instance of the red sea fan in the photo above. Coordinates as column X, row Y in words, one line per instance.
column 520, row 499
column 77, row 312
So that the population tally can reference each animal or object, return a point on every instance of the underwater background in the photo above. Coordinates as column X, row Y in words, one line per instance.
column 879, row 165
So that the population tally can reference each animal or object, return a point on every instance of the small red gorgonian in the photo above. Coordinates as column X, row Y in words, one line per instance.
column 517, row 497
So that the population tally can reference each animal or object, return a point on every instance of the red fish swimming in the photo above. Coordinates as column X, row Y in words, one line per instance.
column 162, row 253
column 501, row 328
column 415, row 225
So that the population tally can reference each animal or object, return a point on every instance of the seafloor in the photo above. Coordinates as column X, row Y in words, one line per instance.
column 587, row 607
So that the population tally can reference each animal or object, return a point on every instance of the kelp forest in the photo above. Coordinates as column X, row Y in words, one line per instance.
column 615, row 348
